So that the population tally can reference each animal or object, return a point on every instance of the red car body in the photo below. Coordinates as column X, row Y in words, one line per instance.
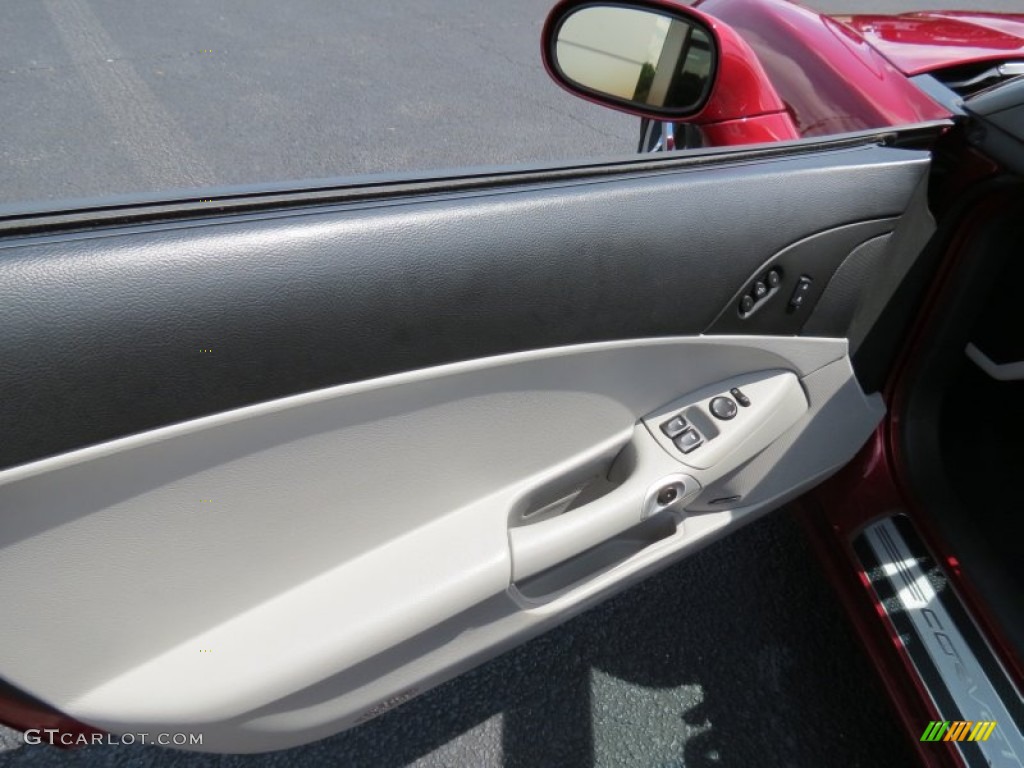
column 828, row 77
column 788, row 72
column 925, row 42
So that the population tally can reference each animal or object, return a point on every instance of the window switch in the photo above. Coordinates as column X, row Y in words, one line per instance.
column 673, row 427
column 688, row 440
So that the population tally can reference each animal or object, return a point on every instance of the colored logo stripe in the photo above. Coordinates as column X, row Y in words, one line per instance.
column 958, row 730
column 984, row 733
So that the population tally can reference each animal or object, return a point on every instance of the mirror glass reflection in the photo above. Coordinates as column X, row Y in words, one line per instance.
column 639, row 56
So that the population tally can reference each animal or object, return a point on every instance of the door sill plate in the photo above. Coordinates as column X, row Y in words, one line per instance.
column 954, row 662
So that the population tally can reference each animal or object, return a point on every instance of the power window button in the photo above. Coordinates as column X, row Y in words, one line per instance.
column 688, row 440
column 674, row 427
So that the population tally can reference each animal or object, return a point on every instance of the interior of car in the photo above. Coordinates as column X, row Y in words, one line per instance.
column 964, row 411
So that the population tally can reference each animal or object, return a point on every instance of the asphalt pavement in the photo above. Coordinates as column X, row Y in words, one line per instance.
column 108, row 97
column 118, row 96
column 737, row 657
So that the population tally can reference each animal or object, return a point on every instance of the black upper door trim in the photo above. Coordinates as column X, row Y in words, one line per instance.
column 102, row 333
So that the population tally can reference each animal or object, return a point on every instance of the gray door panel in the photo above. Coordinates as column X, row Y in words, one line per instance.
column 312, row 462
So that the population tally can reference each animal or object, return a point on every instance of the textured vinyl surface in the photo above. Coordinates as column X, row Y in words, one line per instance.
column 111, row 333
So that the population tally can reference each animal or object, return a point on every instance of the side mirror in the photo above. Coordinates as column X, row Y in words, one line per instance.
column 657, row 61
column 665, row 61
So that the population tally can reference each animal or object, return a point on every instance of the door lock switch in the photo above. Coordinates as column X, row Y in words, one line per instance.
column 723, row 408
column 800, row 293
column 739, row 397
column 674, row 427
column 688, row 440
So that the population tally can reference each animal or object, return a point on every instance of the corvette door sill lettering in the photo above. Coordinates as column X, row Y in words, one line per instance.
column 960, row 671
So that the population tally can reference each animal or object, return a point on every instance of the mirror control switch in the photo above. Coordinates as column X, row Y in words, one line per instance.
column 723, row 408
column 689, row 440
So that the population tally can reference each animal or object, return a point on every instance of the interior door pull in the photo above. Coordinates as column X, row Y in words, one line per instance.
column 653, row 484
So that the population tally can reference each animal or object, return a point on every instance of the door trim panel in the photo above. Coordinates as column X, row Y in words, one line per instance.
column 248, row 556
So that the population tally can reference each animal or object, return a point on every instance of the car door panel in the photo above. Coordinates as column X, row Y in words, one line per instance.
column 296, row 301
column 250, row 554
column 311, row 463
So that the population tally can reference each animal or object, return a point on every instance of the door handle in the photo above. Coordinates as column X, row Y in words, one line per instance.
column 652, row 484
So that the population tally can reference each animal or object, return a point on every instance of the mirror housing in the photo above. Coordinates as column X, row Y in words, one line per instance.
column 738, row 89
